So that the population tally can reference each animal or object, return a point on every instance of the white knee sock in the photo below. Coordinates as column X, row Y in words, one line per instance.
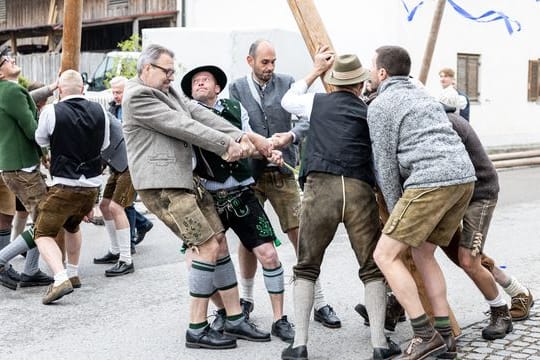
column 111, row 230
column 375, row 298
column 124, row 244
column 515, row 288
column 318, row 296
column 303, row 302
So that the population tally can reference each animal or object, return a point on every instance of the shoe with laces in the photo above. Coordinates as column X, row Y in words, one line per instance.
column 327, row 316
column 247, row 307
column 521, row 306
column 420, row 348
column 6, row 280
column 219, row 320
column 283, row 329
column 245, row 330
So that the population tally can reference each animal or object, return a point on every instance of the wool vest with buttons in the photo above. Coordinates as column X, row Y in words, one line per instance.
column 338, row 140
column 211, row 166
column 77, row 139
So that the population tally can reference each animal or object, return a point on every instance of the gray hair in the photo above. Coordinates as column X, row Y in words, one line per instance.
column 150, row 55
column 118, row 80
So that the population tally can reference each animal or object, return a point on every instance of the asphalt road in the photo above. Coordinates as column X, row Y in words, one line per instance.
column 144, row 315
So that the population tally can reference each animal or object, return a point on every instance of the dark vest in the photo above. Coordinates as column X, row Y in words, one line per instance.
column 338, row 140
column 77, row 139
column 211, row 166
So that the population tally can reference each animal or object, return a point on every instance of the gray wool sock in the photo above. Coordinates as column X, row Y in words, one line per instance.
column 303, row 302
column 31, row 265
column 5, row 236
column 375, row 297
column 17, row 247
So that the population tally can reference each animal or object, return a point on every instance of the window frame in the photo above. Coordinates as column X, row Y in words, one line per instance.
column 468, row 75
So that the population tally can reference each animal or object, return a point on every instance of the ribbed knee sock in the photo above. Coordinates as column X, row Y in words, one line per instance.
column 318, row 296
column 303, row 302
column 5, row 237
column 111, row 230
column 123, row 237
column 246, row 288
column 31, row 264
column 273, row 280
column 17, row 247
column 515, row 288
column 225, row 276
column 375, row 297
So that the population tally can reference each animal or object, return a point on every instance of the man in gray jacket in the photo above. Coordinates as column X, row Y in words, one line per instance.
column 427, row 179
column 160, row 126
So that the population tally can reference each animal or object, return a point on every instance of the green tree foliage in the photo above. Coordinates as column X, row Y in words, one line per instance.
column 125, row 66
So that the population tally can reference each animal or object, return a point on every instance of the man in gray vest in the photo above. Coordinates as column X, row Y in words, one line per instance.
column 338, row 188
column 260, row 92
column 236, row 203
column 160, row 128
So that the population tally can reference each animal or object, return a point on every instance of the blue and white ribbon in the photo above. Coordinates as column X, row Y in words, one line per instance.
column 488, row 16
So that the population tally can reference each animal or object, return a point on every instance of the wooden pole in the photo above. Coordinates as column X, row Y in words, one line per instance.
column 432, row 41
column 311, row 27
column 71, row 40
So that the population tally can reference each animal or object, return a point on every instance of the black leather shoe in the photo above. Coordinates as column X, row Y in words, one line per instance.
column 219, row 321
column 327, row 316
column 6, row 280
column 247, row 307
column 108, row 258
column 13, row 274
column 209, row 339
column 141, row 232
column 246, row 330
column 383, row 353
column 121, row 268
column 283, row 329
column 393, row 315
column 38, row 279
column 297, row 353
column 451, row 348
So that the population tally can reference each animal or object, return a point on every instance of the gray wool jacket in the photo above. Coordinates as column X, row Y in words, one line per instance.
column 414, row 144
column 160, row 129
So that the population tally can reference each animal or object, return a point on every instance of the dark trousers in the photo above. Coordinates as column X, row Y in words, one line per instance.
column 136, row 221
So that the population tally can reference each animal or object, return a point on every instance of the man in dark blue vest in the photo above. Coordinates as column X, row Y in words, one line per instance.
column 235, row 201
column 338, row 188
column 76, row 130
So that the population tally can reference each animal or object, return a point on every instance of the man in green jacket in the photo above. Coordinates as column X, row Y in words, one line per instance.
column 19, row 160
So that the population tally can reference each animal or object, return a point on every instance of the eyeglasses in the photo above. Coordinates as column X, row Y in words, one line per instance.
column 168, row 72
column 6, row 59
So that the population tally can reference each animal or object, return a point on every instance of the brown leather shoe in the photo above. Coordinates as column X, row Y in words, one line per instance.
column 420, row 349
column 75, row 282
column 500, row 323
column 56, row 292
column 521, row 306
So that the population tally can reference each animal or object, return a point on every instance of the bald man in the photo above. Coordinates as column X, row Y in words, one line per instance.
column 76, row 130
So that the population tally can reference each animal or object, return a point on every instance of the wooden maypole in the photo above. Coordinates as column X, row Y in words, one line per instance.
column 432, row 41
column 71, row 37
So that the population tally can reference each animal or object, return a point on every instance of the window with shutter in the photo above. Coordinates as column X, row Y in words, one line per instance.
column 3, row 11
column 468, row 66
column 533, row 87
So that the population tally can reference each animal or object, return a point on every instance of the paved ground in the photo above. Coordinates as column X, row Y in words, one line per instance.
column 144, row 315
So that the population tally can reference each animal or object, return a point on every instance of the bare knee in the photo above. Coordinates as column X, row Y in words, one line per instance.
column 267, row 256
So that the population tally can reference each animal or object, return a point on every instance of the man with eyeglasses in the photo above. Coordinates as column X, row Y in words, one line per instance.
column 19, row 168
column 160, row 127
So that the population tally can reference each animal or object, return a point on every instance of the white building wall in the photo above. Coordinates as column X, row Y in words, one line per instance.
column 503, row 117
